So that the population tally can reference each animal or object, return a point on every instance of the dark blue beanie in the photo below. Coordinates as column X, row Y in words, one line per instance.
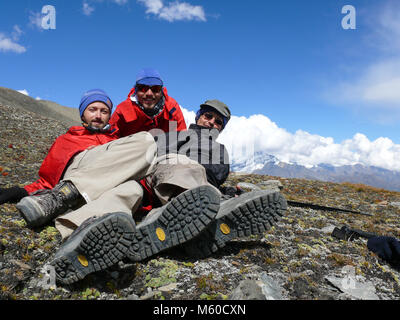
column 149, row 77
column 94, row 95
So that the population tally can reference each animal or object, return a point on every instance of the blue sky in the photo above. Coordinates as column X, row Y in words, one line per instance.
column 288, row 67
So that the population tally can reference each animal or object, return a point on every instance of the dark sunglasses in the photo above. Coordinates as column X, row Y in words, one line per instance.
column 143, row 88
column 209, row 116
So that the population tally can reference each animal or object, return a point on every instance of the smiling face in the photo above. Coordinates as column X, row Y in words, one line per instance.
column 210, row 120
column 96, row 115
column 148, row 96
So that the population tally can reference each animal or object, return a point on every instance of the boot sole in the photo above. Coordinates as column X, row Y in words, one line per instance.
column 102, row 245
column 182, row 219
column 252, row 217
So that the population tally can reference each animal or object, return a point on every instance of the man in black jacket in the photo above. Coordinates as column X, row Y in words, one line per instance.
column 180, row 158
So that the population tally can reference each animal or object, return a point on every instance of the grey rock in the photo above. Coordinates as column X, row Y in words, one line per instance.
column 48, row 279
column 352, row 287
column 272, row 184
column 328, row 229
column 21, row 264
column 150, row 294
column 395, row 204
column 168, row 288
column 270, row 288
column 247, row 290
column 248, row 186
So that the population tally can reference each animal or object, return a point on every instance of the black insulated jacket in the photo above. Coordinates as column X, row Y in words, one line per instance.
column 199, row 144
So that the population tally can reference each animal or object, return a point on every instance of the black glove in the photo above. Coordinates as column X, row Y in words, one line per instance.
column 12, row 195
column 231, row 191
column 387, row 248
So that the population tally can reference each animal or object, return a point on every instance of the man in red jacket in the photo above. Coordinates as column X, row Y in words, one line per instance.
column 95, row 110
column 147, row 107
column 88, row 163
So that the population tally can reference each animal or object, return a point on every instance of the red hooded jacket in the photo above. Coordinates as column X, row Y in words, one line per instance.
column 130, row 119
column 64, row 148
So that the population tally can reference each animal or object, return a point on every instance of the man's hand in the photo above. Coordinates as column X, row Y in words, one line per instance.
column 232, row 191
column 387, row 248
column 12, row 195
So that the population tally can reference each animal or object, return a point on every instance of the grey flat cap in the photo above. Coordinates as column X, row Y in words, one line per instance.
column 221, row 107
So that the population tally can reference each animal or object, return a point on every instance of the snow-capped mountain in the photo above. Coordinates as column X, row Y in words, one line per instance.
column 251, row 164
column 263, row 163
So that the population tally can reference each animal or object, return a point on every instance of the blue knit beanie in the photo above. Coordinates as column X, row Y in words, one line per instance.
column 149, row 77
column 94, row 95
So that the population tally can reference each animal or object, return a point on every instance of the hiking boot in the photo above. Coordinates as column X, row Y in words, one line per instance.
column 99, row 243
column 249, row 214
column 45, row 205
column 183, row 218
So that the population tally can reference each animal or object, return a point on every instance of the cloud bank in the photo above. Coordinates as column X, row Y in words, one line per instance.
column 88, row 5
column 10, row 43
column 171, row 11
column 243, row 137
column 174, row 11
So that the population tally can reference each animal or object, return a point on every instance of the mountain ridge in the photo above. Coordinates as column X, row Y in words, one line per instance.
column 263, row 163
column 45, row 108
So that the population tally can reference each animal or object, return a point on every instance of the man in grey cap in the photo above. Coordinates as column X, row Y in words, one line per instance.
column 180, row 153
column 242, row 215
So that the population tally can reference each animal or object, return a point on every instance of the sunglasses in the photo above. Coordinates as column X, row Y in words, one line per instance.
column 143, row 88
column 209, row 116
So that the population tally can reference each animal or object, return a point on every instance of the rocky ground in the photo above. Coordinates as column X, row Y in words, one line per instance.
column 296, row 259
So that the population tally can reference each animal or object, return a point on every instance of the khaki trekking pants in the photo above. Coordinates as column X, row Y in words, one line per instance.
column 106, row 176
column 174, row 174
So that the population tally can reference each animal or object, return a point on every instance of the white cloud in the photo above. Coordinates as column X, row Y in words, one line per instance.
column 386, row 26
column 243, row 137
column 88, row 5
column 153, row 6
column 8, row 44
column 16, row 33
column 189, row 116
column 35, row 20
column 87, row 9
column 24, row 91
column 378, row 86
column 174, row 11
column 121, row 2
